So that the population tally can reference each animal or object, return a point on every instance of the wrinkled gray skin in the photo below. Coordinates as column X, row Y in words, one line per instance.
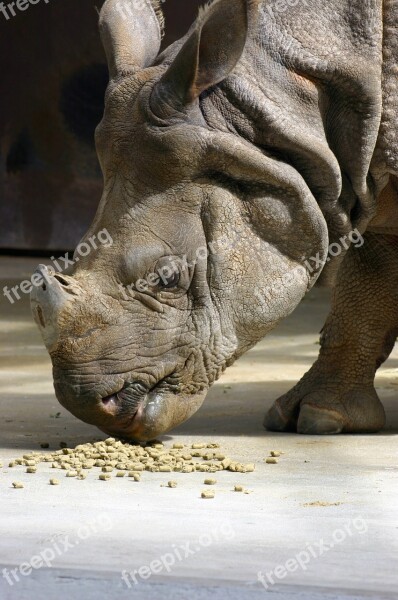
column 268, row 134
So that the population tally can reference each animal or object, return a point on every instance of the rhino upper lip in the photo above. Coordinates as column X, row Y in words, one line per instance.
column 127, row 423
column 114, row 400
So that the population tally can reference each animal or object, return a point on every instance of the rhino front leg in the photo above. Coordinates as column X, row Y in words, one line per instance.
column 337, row 395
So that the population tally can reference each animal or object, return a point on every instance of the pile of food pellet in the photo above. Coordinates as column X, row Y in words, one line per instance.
column 117, row 458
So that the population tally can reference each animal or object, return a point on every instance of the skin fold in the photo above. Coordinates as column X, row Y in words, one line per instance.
column 232, row 162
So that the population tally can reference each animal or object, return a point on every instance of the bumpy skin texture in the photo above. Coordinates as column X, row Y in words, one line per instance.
column 337, row 394
column 259, row 133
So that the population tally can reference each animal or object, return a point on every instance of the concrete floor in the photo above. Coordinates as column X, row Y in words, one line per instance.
column 335, row 491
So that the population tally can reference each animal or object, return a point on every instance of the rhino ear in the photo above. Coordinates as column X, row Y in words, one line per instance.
column 207, row 57
column 131, row 34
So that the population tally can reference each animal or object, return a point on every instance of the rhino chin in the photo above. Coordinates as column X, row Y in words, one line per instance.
column 161, row 411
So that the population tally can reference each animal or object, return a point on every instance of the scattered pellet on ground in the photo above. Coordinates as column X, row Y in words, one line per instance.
column 17, row 485
column 271, row 461
column 125, row 459
column 172, row 484
column 54, row 481
column 210, row 481
column 238, row 488
column 208, row 494
column 275, row 453
column 250, row 468
column 31, row 470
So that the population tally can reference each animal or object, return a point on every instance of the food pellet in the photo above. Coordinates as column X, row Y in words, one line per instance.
column 275, row 453
column 31, row 470
column 54, row 481
column 17, row 485
column 271, row 461
column 238, row 488
column 172, row 484
column 249, row 468
column 127, row 459
column 208, row 494
column 210, row 481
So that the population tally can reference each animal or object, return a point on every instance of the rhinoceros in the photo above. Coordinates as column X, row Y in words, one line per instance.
column 252, row 158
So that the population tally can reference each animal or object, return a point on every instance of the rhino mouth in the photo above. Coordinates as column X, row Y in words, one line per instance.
column 140, row 414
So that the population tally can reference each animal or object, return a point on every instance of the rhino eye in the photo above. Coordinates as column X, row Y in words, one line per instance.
column 169, row 273
column 170, row 281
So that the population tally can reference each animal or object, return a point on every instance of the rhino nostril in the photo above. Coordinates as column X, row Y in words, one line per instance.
column 40, row 316
column 61, row 280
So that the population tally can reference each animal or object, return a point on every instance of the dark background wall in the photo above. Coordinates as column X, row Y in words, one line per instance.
column 53, row 78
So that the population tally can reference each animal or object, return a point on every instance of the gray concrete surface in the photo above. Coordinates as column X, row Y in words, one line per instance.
column 330, row 503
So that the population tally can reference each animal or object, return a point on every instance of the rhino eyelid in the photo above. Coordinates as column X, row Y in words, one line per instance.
column 149, row 302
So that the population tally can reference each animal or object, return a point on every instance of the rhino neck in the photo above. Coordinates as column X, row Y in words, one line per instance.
column 320, row 114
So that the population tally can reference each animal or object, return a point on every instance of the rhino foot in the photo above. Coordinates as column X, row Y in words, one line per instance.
column 327, row 409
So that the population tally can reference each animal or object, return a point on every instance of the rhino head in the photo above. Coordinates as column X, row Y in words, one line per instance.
column 209, row 234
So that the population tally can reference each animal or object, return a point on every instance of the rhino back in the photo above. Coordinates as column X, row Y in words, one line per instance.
column 387, row 146
column 308, row 91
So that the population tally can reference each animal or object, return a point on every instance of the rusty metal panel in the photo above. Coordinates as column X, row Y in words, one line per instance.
column 53, row 82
